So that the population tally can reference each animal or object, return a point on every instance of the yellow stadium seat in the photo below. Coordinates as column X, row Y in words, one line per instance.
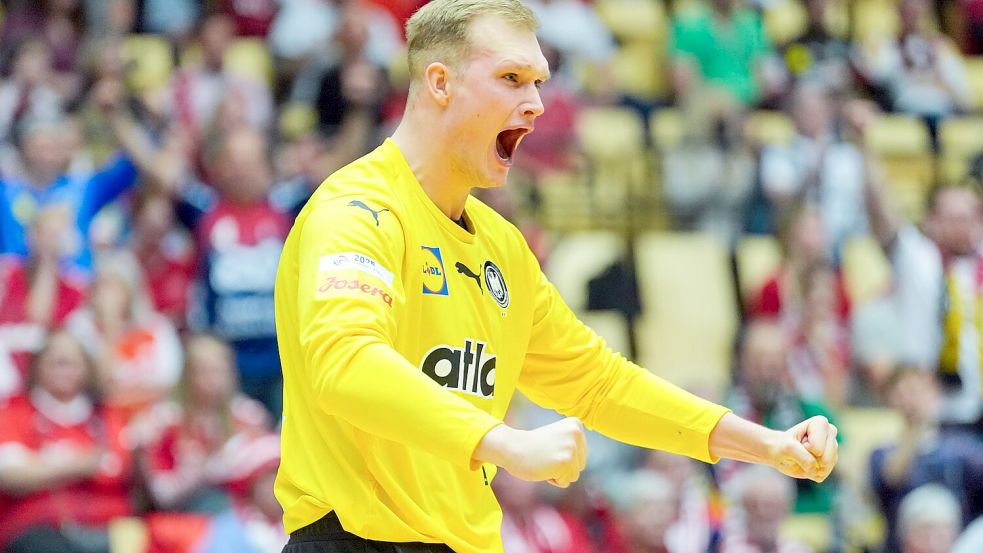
column 909, row 180
column 898, row 135
column 865, row 429
column 128, row 535
column 151, row 61
column 769, row 127
column 577, row 257
column 961, row 139
column 667, row 128
column 974, row 70
column 639, row 69
column 866, row 270
column 785, row 20
column 610, row 133
column 249, row 57
column 296, row 119
column 687, row 328
column 633, row 20
column 758, row 258
column 874, row 19
column 815, row 531
column 565, row 198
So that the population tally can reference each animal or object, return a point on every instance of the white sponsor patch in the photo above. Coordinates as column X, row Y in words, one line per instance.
column 357, row 261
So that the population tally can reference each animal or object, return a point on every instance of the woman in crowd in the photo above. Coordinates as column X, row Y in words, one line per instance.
column 64, row 461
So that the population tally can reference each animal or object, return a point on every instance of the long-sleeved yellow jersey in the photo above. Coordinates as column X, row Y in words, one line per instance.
column 403, row 337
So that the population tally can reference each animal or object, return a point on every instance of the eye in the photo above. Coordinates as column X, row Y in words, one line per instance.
column 539, row 83
column 511, row 77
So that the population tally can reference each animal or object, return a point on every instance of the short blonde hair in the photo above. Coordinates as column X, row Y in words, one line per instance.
column 439, row 30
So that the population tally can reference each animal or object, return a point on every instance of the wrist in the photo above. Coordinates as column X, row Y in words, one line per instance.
column 496, row 447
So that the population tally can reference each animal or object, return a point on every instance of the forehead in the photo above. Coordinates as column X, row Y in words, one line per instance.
column 953, row 199
column 495, row 40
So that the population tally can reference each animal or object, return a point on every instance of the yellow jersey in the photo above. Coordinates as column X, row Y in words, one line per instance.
column 403, row 337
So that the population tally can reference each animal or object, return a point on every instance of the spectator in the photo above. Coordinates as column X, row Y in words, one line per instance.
column 251, row 19
column 30, row 90
column 647, row 508
column 189, row 444
column 939, row 331
column 575, row 31
column 696, row 528
column 36, row 294
column 926, row 455
column 920, row 72
column 198, row 89
column 817, row 55
column 240, row 226
column 47, row 148
column 765, row 393
column 176, row 19
column 529, row 525
column 817, row 168
column 708, row 176
column 763, row 501
column 723, row 46
column 136, row 349
column 167, row 255
column 928, row 521
column 809, row 298
column 65, row 466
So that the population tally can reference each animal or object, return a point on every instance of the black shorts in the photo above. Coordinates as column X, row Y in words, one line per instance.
column 327, row 536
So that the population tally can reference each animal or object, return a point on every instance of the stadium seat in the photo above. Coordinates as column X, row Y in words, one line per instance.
column 974, row 70
column 758, row 257
column 898, row 135
column 151, row 61
column 638, row 68
column 577, row 257
column 633, row 20
column 873, row 19
column 689, row 321
column 961, row 139
column 815, row 531
column 610, row 133
column 296, row 119
column 565, row 200
column 769, row 127
column 612, row 138
column 250, row 58
column 128, row 535
column 866, row 271
column 666, row 128
column 785, row 20
column 865, row 429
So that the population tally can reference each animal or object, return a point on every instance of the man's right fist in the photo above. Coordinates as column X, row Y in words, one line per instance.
column 556, row 453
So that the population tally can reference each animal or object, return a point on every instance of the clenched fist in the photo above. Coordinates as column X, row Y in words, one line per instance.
column 556, row 453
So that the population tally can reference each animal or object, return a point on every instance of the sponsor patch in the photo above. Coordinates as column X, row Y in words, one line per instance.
column 469, row 369
column 329, row 285
column 434, row 277
column 355, row 261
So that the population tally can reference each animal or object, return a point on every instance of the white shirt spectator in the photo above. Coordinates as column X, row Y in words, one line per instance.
column 826, row 173
column 573, row 28
column 919, row 288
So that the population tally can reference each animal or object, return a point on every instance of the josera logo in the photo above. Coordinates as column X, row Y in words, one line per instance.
column 466, row 369
column 434, row 278
column 333, row 284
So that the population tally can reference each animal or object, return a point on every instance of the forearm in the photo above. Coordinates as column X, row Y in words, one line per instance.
column 742, row 440
column 28, row 477
column 884, row 221
column 41, row 298
column 372, row 386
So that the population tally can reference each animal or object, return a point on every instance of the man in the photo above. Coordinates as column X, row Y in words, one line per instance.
column 408, row 313
column 938, row 290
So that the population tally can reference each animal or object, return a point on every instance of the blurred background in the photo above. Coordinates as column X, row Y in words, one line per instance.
column 774, row 204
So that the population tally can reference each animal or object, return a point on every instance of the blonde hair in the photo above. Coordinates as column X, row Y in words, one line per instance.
column 439, row 30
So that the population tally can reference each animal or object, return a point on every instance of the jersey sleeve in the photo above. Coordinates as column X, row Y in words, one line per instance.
column 569, row 368
column 350, row 270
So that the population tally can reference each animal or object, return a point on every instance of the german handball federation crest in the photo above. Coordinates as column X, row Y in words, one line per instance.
column 495, row 284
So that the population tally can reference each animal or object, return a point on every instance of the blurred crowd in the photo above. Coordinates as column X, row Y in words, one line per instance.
column 153, row 154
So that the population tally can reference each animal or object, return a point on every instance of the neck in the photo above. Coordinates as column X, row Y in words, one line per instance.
column 426, row 156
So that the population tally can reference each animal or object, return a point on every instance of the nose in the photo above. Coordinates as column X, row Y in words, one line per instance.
column 533, row 108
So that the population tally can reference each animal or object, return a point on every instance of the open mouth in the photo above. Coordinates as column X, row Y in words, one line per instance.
column 506, row 143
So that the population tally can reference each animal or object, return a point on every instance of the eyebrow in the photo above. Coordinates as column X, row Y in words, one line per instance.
column 526, row 67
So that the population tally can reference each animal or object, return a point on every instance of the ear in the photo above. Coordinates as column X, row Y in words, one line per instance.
column 436, row 80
